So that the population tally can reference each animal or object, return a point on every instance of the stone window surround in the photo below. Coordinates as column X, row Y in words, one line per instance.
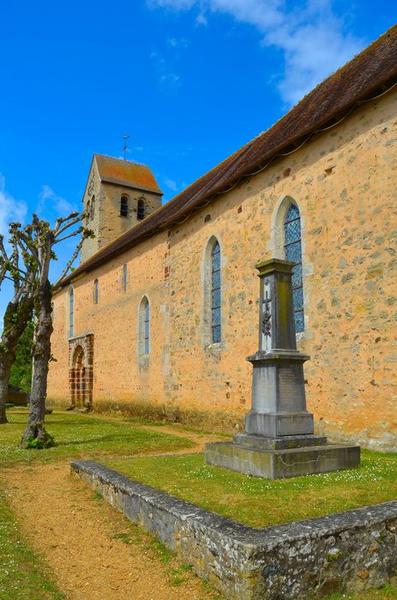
column 91, row 207
column 207, row 342
column 95, row 291
column 276, row 248
column 124, row 205
column 124, row 277
column 140, row 209
column 143, row 346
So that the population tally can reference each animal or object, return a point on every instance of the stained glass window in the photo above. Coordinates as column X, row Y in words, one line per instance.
column 71, row 312
column 293, row 252
column 144, row 333
column 216, row 293
column 147, row 327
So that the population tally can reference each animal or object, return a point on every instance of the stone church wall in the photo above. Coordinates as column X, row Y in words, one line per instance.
column 344, row 182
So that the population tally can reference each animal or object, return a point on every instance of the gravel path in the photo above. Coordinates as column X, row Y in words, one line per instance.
column 93, row 551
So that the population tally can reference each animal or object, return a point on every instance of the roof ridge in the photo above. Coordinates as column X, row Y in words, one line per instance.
column 371, row 71
column 122, row 160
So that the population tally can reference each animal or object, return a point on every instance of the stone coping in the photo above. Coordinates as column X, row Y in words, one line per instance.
column 344, row 551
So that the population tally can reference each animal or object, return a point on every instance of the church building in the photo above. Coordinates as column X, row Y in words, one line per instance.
column 163, row 310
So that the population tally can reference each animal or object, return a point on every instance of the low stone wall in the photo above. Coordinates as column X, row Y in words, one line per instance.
column 307, row 559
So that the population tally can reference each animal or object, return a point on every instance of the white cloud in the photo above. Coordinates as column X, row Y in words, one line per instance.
column 171, row 184
column 50, row 204
column 172, row 79
column 177, row 4
column 174, row 42
column 312, row 38
column 166, row 75
column 10, row 208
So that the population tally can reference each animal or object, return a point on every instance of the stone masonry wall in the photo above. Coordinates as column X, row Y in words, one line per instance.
column 349, row 551
column 118, row 373
column 344, row 182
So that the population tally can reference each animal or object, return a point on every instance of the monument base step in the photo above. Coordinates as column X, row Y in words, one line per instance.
column 280, row 463
column 261, row 442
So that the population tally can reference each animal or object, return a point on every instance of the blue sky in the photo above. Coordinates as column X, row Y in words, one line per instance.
column 189, row 80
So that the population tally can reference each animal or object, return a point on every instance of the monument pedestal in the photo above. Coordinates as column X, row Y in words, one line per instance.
column 279, row 440
column 282, row 457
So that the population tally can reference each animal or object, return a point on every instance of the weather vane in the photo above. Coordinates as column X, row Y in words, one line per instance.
column 126, row 137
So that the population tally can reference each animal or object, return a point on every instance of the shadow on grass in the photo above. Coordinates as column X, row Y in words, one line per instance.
column 105, row 438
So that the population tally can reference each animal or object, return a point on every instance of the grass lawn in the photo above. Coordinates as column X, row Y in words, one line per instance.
column 260, row 502
column 22, row 573
column 122, row 444
column 388, row 592
column 77, row 435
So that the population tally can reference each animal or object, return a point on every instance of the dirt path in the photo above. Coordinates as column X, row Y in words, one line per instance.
column 94, row 552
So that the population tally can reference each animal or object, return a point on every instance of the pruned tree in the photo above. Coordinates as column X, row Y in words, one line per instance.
column 21, row 370
column 19, row 267
column 39, row 241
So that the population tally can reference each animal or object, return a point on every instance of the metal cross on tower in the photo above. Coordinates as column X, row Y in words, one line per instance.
column 126, row 137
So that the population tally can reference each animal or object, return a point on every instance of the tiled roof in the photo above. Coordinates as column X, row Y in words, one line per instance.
column 368, row 74
column 124, row 172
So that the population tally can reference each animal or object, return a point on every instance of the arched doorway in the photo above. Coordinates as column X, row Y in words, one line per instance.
column 78, row 390
column 81, row 372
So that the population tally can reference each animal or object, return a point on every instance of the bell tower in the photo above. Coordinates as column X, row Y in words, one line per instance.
column 118, row 195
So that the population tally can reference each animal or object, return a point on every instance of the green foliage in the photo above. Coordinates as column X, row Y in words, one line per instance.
column 39, row 443
column 21, row 372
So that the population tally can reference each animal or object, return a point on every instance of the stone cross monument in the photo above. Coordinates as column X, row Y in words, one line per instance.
column 278, row 440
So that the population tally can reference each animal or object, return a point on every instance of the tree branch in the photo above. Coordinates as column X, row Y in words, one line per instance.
column 71, row 220
column 65, row 237
column 70, row 262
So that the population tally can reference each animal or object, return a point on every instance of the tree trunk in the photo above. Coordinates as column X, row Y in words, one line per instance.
column 4, row 377
column 35, row 435
column 16, row 318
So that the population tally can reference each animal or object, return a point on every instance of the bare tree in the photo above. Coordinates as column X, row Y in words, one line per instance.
column 41, row 246
column 17, row 266
column 27, row 266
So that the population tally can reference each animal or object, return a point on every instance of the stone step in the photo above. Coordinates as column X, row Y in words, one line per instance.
column 279, row 463
column 279, row 443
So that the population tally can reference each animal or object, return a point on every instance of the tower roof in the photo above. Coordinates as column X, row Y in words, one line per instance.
column 126, row 173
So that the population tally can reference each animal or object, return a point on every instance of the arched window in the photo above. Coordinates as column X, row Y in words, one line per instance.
column 92, row 208
column 71, row 312
column 96, row 291
column 293, row 252
column 140, row 211
column 124, row 278
column 216, row 293
column 144, row 326
column 124, row 206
